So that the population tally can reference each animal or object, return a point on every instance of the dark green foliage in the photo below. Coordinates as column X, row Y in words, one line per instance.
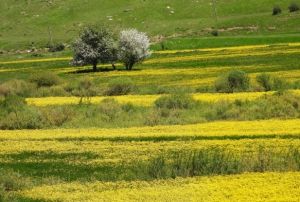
column 215, row 33
column 265, row 81
column 175, row 101
column 234, row 81
column 45, row 79
column 120, row 86
column 293, row 7
column 276, row 10
column 56, row 47
column 269, row 82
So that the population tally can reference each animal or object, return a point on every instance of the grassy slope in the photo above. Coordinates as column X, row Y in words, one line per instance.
column 24, row 22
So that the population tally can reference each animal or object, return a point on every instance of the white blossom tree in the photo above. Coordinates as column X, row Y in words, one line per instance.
column 94, row 46
column 133, row 47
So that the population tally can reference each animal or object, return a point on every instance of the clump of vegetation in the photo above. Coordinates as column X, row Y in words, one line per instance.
column 265, row 81
column 215, row 32
column 94, row 45
column 85, row 90
column 57, row 116
column 276, row 10
column 120, row 86
column 293, row 7
column 45, row 79
column 234, row 81
column 17, row 87
column 56, row 47
column 133, row 47
column 18, row 115
column 11, row 182
column 110, row 109
column 175, row 101
column 220, row 161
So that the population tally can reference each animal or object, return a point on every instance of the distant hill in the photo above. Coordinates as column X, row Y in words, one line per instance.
column 24, row 22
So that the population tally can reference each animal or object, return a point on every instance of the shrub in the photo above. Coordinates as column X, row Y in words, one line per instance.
column 10, row 183
column 265, row 81
column 176, row 101
column 17, row 87
column 85, row 90
column 269, row 82
column 15, row 114
column 57, row 116
column 215, row 33
column 276, row 10
column 56, row 47
column 233, row 81
column 279, row 84
column 110, row 108
column 27, row 118
column 293, row 7
column 133, row 47
column 45, row 79
column 12, row 103
column 120, row 86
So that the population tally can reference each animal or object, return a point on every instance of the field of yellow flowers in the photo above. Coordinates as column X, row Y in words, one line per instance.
column 233, row 160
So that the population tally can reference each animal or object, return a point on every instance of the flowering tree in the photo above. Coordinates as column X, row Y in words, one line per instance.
column 94, row 46
column 133, row 47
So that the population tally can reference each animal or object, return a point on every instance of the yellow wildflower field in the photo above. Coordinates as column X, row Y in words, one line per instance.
column 255, row 187
column 259, row 128
column 148, row 100
column 225, row 54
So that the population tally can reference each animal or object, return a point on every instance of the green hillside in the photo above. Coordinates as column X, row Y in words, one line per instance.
column 28, row 22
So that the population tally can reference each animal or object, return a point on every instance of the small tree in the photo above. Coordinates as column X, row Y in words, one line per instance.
column 94, row 46
column 133, row 47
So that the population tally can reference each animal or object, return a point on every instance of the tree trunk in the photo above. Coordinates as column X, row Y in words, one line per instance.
column 113, row 66
column 94, row 67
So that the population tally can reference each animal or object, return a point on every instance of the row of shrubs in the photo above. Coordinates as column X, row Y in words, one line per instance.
column 47, row 84
column 168, row 109
column 293, row 7
column 237, row 81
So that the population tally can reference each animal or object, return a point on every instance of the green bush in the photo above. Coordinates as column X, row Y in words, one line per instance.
column 265, row 81
column 293, row 7
column 276, row 10
column 120, row 86
column 45, row 79
column 28, row 118
column 279, row 84
column 234, row 81
column 175, row 101
column 12, row 103
column 56, row 47
column 17, row 87
column 15, row 114
column 269, row 82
